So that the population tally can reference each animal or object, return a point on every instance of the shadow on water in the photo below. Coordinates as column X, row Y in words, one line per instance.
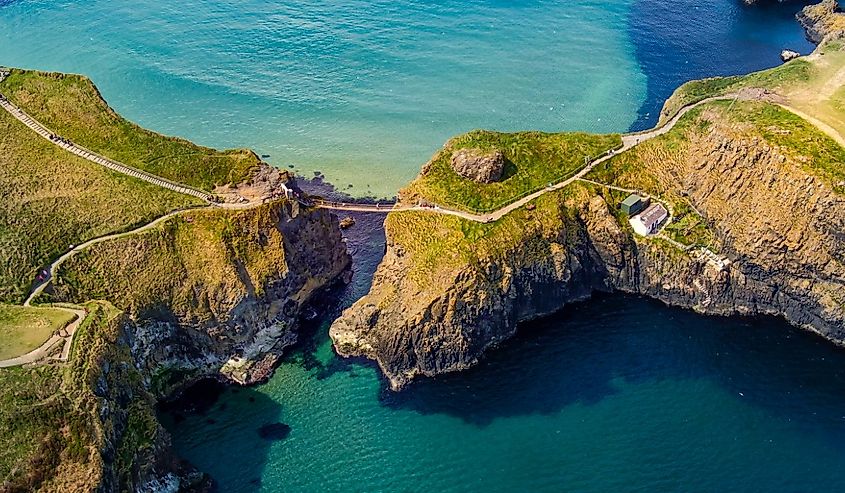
column 365, row 242
column 675, row 44
column 205, row 410
column 590, row 350
column 208, row 404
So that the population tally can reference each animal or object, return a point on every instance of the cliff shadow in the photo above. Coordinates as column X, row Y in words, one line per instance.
column 595, row 349
column 242, row 423
column 366, row 243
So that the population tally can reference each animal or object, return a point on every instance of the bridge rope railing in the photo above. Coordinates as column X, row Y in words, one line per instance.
column 387, row 206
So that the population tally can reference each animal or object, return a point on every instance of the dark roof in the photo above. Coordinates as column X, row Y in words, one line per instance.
column 632, row 199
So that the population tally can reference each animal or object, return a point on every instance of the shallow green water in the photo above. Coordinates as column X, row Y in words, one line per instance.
column 618, row 394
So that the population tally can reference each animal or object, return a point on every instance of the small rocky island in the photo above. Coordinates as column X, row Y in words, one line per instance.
column 162, row 273
column 756, row 198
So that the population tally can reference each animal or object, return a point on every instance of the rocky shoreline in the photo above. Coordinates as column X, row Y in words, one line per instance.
column 780, row 227
column 822, row 20
column 232, row 328
column 236, row 334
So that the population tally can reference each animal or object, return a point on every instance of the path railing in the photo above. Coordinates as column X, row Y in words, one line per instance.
column 93, row 157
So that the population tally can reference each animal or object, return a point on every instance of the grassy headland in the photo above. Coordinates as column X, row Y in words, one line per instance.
column 53, row 199
column 813, row 85
column 51, row 432
column 71, row 106
column 533, row 160
column 23, row 329
column 212, row 249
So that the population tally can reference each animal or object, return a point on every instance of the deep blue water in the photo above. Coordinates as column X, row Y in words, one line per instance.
column 616, row 394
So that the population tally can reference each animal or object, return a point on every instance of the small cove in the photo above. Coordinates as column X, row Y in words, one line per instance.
column 616, row 394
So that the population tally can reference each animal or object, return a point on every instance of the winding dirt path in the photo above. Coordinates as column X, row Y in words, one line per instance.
column 51, row 271
column 629, row 141
column 64, row 336
column 824, row 127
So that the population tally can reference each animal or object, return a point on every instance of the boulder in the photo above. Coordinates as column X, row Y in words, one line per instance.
column 787, row 55
column 347, row 222
column 478, row 165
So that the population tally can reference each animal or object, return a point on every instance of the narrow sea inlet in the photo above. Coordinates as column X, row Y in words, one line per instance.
column 614, row 394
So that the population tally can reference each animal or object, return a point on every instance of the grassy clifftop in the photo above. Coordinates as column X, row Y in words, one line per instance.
column 23, row 329
column 51, row 432
column 71, row 106
column 813, row 85
column 53, row 199
column 751, row 179
column 532, row 161
column 230, row 253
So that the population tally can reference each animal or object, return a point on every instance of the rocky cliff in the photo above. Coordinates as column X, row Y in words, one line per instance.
column 213, row 293
column 447, row 289
column 823, row 20
column 210, row 293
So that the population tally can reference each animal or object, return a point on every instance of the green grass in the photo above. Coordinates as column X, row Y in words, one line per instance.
column 534, row 159
column 795, row 72
column 52, row 199
column 440, row 245
column 688, row 227
column 52, row 424
column 211, row 249
column 71, row 106
column 635, row 170
column 23, row 329
column 31, row 412
column 819, row 154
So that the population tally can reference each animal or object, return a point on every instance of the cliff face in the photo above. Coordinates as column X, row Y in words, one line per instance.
column 132, row 449
column 210, row 293
column 251, row 320
column 822, row 20
column 782, row 227
column 89, row 425
column 213, row 293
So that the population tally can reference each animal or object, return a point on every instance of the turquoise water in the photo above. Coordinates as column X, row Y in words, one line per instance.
column 363, row 91
column 366, row 91
column 618, row 394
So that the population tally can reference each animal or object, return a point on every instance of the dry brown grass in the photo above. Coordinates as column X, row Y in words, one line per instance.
column 198, row 264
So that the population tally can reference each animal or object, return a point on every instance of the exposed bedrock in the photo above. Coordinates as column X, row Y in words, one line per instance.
column 822, row 20
column 783, row 229
column 215, row 293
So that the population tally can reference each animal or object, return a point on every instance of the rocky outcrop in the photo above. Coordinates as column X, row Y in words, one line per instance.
column 245, row 336
column 822, row 21
column 213, row 293
column 479, row 166
column 265, row 183
column 783, row 229
column 227, row 295
column 787, row 55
